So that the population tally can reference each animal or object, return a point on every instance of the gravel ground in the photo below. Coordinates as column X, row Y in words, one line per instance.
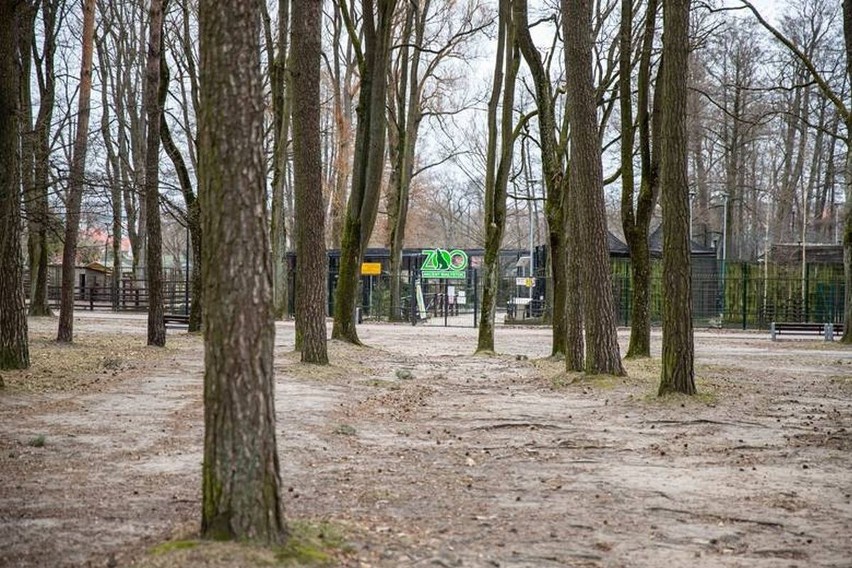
column 418, row 453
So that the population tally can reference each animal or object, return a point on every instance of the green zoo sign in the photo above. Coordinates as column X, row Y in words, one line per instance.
column 440, row 263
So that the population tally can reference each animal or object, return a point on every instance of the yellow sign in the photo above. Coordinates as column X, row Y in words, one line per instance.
column 371, row 268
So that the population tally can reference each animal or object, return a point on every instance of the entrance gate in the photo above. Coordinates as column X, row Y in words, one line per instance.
column 447, row 303
column 445, row 290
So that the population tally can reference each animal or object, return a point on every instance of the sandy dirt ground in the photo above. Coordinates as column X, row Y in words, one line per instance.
column 421, row 454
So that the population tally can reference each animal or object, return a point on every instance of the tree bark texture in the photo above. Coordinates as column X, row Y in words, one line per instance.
column 368, row 163
column 343, row 68
column 498, row 164
column 847, row 225
column 240, row 476
column 342, row 73
column 14, row 347
column 76, row 180
column 153, row 111
column 311, row 258
column 553, row 172
column 564, row 219
column 575, row 344
column 678, row 374
column 409, row 115
column 38, row 213
column 586, row 182
column 636, row 222
column 25, row 36
column 281, row 133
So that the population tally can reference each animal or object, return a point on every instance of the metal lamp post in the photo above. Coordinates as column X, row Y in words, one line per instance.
column 724, row 196
column 186, row 276
column 724, row 227
column 532, row 255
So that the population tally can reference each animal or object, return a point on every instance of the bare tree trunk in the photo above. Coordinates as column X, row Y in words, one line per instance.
column 409, row 114
column 343, row 73
column 307, row 170
column 240, row 477
column 26, row 25
column 847, row 229
column 38, row 202
column 815, row 173
column 341, row 105
column 506, row 64
column 152, row 103
column 192, row 203
column 586, row 181
column 368, row 164
column 281, row 133
column 76, row 180
column 678, row 373
column 193, row 212
column 139, row 131
column 574, row 302
column 700, row 169
column 112, row 167
column 14, row 346
column 637, row 222
column 126, row 87
column 564, row 339
column 823, row 210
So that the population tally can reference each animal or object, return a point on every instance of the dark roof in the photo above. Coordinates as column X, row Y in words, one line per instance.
column 380, row 253
column 617, row 247
column 655, row 243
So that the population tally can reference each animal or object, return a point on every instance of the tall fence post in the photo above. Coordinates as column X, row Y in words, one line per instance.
column 475, row 297
column 807, row 292
column 745, row 294
column 412, row 300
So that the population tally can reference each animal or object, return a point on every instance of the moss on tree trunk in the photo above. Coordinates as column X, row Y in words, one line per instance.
column 307, row 170
column 678, row 373
column 240, row 476
column 14, row 348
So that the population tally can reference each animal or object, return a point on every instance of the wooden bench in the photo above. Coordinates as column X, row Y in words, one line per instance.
column 176, row 319
column 827, row 330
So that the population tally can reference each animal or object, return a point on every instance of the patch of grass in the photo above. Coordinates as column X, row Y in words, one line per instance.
column 112, row 363
column 843, row 381
column 37, row 442
column 317, row 544
column 563, row 380
column 91, row 361
column 311, row 544
column 603, row 382
column 166, row 547
column 599, row 382
column 345, row 430
column 645, row 368
column 704, row 397
column 404, row 374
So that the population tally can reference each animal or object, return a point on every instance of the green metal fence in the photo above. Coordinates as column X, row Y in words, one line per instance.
column 745, row 295
column 733, row 294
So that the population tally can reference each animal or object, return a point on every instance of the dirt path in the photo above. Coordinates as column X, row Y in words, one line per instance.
column 424, row 455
